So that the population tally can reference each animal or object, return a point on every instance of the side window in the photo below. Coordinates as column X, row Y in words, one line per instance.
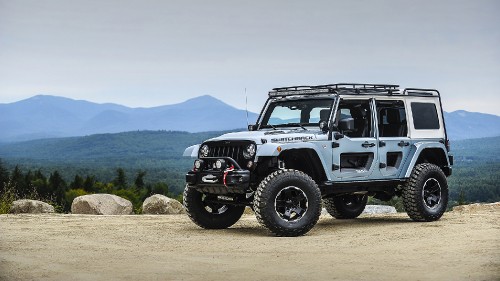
column 360, row 111
column 391, row 118
column 425, row 116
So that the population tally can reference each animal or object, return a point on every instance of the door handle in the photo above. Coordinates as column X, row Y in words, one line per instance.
column 403, row 143
column 368, row 144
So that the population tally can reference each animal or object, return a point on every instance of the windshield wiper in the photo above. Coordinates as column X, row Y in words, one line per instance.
column 269, row 125
column 297, row 124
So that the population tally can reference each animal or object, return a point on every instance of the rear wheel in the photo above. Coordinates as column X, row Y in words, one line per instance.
column 206, row 213
column 425, row 194
column 288, row 203
column 347, row 206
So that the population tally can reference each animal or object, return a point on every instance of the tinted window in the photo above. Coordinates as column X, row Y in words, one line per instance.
column 424, row 116
column 360, row 111
column 391, row 119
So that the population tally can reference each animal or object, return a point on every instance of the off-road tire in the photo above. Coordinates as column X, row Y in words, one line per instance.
column 195, row 208
column 345, row 206
column 413, row 193
column 267, row 194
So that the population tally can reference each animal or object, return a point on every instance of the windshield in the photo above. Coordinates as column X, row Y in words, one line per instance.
column 295, row 113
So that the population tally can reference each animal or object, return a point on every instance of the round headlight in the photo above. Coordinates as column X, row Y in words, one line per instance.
column 220, row 164
column 204, row 151
column 197, row 164
column 249, row 151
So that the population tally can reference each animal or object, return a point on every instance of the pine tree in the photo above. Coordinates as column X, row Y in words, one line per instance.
column 89, row 184
column 41, row 185
column 139, row 180
column 77, row 183
column 17, row 182
column 4, row 177
column 120, row 182
column 58, row 185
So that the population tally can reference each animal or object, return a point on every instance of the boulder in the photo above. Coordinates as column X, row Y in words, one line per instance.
column 26, row 206
column 161, row 205
column 379, row 209
column 101, row 204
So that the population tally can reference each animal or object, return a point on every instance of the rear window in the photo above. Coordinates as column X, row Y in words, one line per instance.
column 425, row 116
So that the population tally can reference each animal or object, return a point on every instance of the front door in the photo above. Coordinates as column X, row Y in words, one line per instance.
column 355, row 154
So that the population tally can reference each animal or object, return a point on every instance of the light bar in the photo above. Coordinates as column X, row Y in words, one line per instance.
column 297, row 92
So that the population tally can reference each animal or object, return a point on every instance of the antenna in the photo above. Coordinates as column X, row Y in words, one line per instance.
column 246, row 105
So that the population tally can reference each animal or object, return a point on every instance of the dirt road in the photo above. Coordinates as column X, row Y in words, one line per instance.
column 461, row 246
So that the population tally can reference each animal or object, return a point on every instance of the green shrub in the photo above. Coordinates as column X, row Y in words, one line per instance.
column 71, row 194
column 131, row 196
column 6, row 198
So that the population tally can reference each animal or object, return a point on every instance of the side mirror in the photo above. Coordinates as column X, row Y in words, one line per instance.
column 346, row 125
column 252, row 127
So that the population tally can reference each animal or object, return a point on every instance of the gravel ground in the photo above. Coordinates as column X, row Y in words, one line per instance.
column 463, row 245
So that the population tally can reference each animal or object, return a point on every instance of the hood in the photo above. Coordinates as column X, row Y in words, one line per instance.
column 274, row 136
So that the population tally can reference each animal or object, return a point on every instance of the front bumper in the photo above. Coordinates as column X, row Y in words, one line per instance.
column 235, row 180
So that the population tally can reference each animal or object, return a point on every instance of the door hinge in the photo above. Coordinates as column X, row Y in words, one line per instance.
column 335, row 167
column 335, row 144
column 382, row 165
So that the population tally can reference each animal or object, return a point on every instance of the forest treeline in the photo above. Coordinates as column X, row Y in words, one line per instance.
column 156, row 157
column 53, row 189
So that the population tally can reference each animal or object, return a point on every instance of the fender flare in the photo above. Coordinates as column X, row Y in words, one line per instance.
column 415, row 152
column 271, row 150
column 192, row 151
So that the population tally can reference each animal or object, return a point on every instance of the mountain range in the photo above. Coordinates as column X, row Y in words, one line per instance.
column 45, row 116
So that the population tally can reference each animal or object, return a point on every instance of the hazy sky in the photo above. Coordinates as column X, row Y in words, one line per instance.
column 149, row 53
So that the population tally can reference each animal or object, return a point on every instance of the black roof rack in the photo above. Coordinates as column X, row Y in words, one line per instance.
column 292, row 88
column 358, row 86
column 351, row 88
column 420, row 92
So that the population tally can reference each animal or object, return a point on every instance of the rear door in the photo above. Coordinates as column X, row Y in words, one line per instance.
column 394, row 143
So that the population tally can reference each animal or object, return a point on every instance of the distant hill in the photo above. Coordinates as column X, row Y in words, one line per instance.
column 462, row 124
column 157, row 152
column 50, row 117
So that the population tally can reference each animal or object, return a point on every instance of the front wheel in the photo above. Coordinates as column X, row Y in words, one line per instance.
column 206, row 213
column 347, row 206
column 288, row 203
column 425, row 194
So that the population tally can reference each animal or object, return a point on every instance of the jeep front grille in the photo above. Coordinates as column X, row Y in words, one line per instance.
column 233, row 150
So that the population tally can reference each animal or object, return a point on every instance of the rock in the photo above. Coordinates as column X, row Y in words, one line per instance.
column 477, row 207
column 101, row 204
column 26, row 206
column 379, row 209
column 161, row 205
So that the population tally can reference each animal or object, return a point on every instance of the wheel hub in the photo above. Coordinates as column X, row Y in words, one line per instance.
column 431, row 193
column 213, row 208
column 291, row 204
